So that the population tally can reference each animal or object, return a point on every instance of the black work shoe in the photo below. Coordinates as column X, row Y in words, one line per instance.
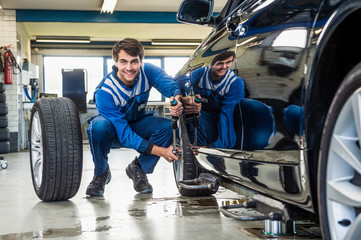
column 97, row 185
column 140, row 180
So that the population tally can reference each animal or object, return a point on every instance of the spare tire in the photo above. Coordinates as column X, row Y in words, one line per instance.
column 56, row 151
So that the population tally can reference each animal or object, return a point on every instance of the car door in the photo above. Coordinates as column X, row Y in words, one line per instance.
column 270, row 39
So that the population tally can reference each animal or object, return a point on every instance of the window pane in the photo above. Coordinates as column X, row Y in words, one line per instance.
column 154, row 95
column 173, row 64
column 54, row 65
column 110, row 63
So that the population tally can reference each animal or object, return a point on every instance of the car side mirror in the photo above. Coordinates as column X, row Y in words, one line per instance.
column 195, row 11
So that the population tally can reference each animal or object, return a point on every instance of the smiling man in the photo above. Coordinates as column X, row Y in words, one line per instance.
column 121, row 99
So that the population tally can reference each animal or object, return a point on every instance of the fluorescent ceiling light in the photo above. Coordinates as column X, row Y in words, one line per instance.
column 62, row 39
column 177, row 42
column 108, row 6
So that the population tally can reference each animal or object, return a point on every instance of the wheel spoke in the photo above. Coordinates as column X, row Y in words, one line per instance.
column 346, row 148
column 354, row 232
column 36, row 150
column 36, row 145
column 38, row 171
column 36, row 128
column 344, row 192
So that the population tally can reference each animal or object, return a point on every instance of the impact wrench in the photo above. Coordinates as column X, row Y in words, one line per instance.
column 196, row 119
column 174, row 127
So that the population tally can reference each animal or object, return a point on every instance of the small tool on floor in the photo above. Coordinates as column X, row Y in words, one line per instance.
column 3, row 163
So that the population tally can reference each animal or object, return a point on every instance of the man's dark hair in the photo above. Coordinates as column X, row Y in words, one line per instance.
column 131, row 46
column 223, row 56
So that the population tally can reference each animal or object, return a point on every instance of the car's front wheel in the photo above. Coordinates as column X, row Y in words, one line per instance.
column 186, row 167
column 339, row 172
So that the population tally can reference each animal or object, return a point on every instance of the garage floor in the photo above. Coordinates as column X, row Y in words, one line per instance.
column 121, row 213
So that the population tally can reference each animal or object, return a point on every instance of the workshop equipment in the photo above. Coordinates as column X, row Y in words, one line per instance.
column 30, row 74
column 174, row 127
column 3, row 163
column 9, row 65
column 75, row 84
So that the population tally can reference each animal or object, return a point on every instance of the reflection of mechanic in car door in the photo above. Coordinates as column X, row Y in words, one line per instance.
column 223, row 89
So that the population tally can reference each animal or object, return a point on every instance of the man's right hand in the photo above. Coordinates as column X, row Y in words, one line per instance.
column 166, row 153
column 190, row 105
column 169, row 155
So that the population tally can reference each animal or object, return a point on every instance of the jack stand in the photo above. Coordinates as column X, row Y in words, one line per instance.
column 3, row 163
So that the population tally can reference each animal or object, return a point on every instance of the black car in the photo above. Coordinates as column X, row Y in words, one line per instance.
column 301, row 60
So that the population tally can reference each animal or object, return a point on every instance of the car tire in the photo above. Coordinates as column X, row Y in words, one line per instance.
column 4, row 122
column 2, row 97
column 56, row 151
column 186, row 167
column 4, row 134
column 2, row 87
column 3, row 109
column 339, row 170
column 5, row 147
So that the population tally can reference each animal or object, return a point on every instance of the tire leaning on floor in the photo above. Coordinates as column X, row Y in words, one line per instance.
column 56, row 151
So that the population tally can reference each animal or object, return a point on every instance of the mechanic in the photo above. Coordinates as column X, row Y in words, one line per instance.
column 224, row 90
column 121, row 99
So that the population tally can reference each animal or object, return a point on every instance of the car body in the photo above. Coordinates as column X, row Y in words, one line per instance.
column 293, row 56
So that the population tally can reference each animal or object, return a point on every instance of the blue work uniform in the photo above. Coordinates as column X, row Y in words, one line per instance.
column 216, row 127
column 123, row 120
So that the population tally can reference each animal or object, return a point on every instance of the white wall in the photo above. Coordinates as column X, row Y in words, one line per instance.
column 15, row 36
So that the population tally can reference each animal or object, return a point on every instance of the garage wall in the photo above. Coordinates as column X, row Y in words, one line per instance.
column 14, row 35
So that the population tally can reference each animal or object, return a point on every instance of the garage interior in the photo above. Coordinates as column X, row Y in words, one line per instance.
column 66, row 45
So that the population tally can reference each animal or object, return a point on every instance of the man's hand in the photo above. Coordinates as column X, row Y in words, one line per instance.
column 190, row 105
column 169, row 155
column 166, row 153
column 177, row 109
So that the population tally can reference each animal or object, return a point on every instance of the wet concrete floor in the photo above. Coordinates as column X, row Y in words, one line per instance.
column 121, row 213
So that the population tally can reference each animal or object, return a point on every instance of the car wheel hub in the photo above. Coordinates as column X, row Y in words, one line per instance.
column 37, row 150
column 343, row 186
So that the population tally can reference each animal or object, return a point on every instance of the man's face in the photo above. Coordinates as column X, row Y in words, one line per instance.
column 128, row 68
column 220, row 68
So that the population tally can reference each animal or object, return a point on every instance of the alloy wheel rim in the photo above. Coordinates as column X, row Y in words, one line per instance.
column 36, row 150
column 343, row 181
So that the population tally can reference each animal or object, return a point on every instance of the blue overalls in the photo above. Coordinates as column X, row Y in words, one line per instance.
column 216, row 120
column 228, row 120
column 123, row 121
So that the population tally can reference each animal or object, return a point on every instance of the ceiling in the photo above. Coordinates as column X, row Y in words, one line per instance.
column 141, row 19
